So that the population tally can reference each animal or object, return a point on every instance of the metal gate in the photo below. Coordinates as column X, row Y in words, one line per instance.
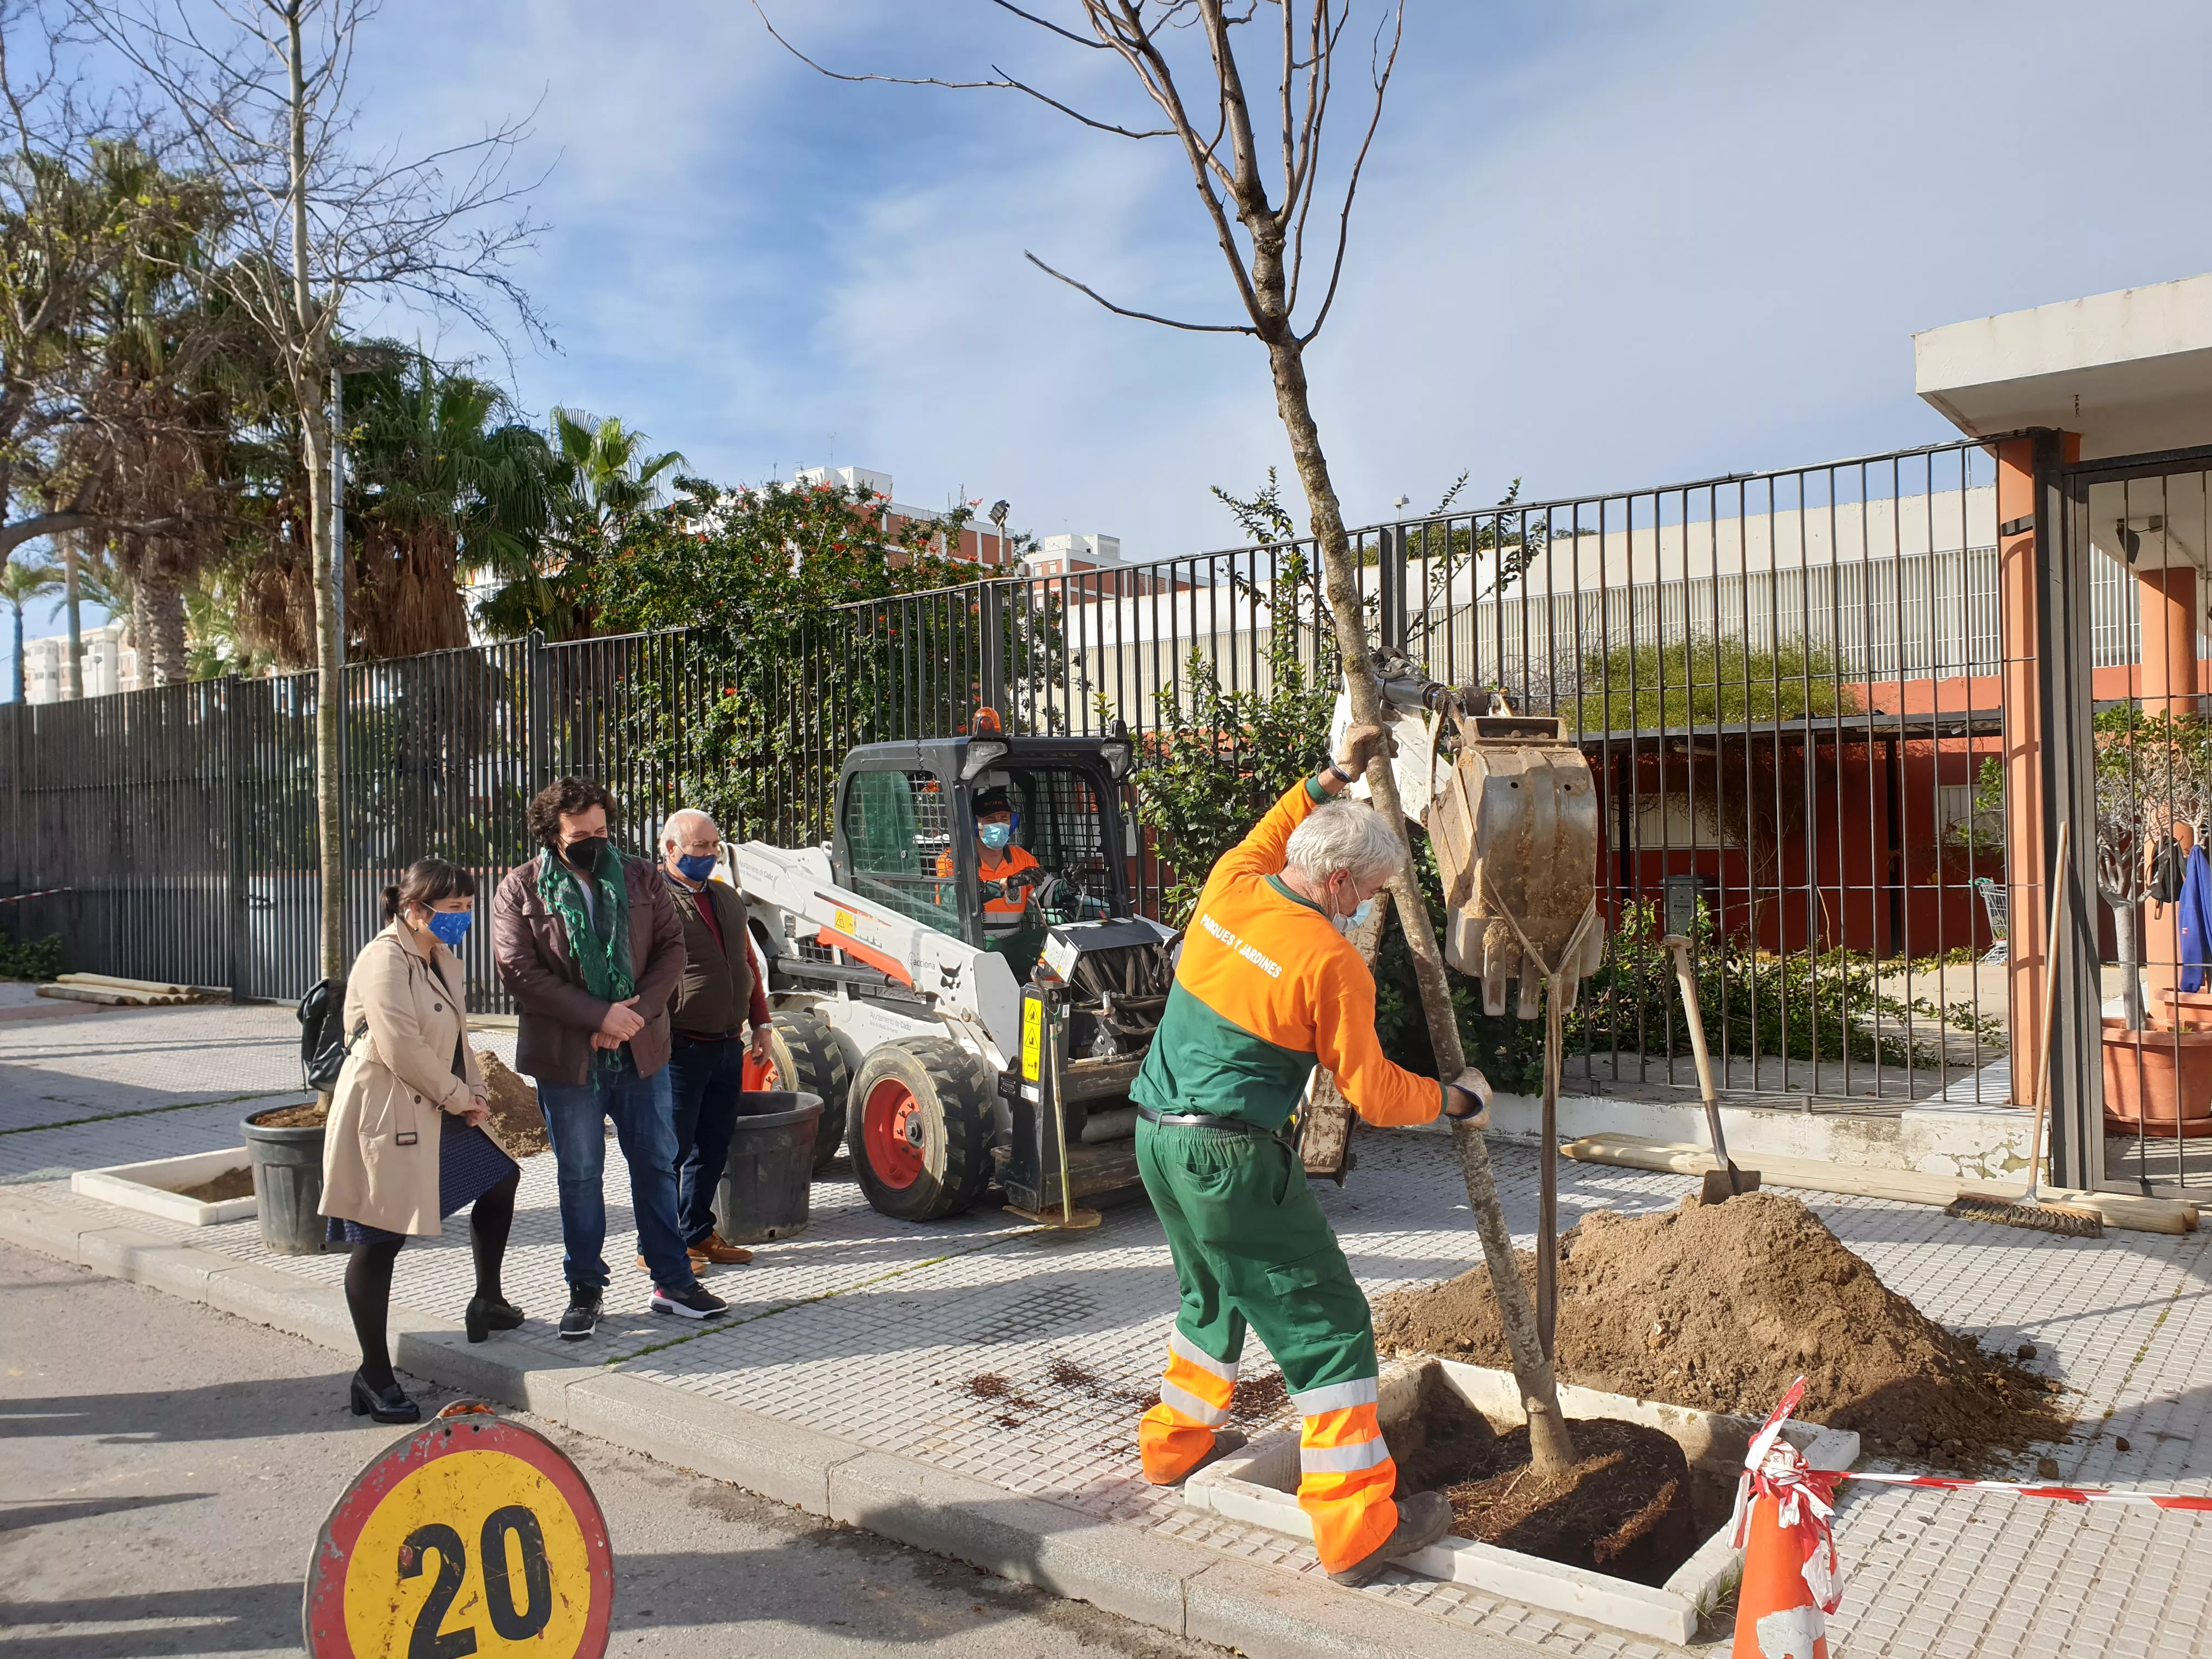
column 2131, row 770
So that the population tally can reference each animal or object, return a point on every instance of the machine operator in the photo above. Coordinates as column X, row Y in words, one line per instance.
column 1002, row 862
column 1267, row 987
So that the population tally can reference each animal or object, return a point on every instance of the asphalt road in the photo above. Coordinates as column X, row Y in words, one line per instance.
column 164, row 1469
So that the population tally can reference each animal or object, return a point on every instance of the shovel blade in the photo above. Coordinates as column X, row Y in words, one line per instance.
column 1721, row 1185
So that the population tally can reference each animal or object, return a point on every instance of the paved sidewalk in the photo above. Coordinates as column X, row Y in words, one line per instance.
column 986, row 1350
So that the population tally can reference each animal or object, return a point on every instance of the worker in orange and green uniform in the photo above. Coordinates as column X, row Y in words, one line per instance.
column 1267, row 987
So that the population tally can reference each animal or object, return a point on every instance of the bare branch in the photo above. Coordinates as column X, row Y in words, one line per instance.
column 1043, row 23
column 1141, row 316
column 1382, row 79
column 1003, row 83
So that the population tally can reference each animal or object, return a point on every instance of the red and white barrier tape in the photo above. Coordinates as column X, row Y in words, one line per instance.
column 2063, row 1494
column 44, row 892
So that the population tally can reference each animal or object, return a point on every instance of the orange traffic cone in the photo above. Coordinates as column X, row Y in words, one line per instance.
column 1775, row 1614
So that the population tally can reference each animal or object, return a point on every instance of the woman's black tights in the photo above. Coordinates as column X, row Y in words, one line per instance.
column 368, row 1277
column 368, row 1300
column 489, row 1218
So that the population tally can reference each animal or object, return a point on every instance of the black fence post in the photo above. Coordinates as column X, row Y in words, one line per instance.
column 535, row 699
column 1390, row 585
column 233, row 836
column 993, row 618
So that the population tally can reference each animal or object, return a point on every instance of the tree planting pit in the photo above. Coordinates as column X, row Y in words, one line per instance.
column 1641, row 1527
column 201, row 1189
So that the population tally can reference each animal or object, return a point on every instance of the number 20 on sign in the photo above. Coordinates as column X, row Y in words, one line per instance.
column 473, row 1535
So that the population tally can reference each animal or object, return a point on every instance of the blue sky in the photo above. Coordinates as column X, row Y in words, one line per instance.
column 1601, row 245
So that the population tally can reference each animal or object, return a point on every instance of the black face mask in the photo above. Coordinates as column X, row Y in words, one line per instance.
column 584, row 855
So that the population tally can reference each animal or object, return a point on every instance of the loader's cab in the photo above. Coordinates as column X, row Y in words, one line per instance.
column 906, row 834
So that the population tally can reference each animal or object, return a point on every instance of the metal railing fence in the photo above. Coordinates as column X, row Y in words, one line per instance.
column 1785, row 683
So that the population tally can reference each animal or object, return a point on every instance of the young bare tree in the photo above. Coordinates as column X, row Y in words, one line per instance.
column 261, row 95
column 1258, row 163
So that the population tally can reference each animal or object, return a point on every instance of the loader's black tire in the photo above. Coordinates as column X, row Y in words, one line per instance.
column 816, row 1067
column 919, row 1116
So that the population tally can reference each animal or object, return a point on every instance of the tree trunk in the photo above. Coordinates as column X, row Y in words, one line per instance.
column 309, row 379
column 2124, row 949
column 72, row 682
column 157, row 615
column 1551, row 1447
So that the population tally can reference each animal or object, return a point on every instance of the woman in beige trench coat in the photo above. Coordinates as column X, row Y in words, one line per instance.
column 405, row 1143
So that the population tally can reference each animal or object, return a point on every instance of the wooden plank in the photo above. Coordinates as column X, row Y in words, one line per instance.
column 2135, row 1214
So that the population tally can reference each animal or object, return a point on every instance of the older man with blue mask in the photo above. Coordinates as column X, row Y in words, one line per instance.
column 719, row 996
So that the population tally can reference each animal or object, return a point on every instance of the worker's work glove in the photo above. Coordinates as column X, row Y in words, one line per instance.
column 1362, row 744
column 1477, row 1086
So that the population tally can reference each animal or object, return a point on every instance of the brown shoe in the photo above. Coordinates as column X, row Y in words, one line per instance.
column 711, row 1251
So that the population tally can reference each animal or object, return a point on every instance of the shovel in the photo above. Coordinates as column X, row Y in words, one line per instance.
column 1725, row 1182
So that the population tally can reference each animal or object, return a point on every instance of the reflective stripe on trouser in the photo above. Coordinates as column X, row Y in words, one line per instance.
column 1251, row 1247
column 1346, row 1475
column 1175, row 1436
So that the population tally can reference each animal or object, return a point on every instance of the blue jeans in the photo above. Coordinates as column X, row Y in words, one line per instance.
column 645, row 1128
column 707, row 1079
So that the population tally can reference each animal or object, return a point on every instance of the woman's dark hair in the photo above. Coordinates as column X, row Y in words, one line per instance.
column 427, row 882
column 566, row 795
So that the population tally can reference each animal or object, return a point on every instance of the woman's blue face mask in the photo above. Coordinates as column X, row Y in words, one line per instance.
column 996, row 836
column 696, row 867
column 450, row 928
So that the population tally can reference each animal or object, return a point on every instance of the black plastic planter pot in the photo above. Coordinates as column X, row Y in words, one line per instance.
column 765, row 1186
column 287, row 1185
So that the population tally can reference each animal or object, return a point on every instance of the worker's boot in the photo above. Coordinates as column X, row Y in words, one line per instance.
column 1423, row 1517
column 1225, row 1442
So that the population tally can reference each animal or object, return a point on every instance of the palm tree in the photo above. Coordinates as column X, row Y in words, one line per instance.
column 440, row 484
column 21, row 581
column 599, row 476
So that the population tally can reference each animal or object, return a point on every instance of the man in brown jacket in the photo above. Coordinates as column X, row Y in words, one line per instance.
column 719, row 996
column 589, row 946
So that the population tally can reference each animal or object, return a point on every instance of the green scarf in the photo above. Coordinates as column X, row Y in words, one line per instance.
column 598, row 939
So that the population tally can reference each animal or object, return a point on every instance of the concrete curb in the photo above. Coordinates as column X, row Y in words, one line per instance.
column 1184, row 1590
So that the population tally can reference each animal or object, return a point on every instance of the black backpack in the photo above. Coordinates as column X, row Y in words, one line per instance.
column 323, row 1043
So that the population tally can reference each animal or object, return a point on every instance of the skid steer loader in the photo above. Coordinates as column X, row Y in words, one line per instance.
column 972, row 1058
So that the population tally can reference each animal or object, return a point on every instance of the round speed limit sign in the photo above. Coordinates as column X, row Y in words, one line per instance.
column 473, row 1535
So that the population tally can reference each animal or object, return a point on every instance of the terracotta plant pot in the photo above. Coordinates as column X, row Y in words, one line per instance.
column 2140, row 1095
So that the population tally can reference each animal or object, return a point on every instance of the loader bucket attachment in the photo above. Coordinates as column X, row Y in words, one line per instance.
column 1515, row 828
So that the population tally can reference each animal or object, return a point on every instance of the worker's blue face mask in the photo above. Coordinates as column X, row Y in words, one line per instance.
column 1359, row 917
column 996, row 836
column 450, row 928
column 696, row 867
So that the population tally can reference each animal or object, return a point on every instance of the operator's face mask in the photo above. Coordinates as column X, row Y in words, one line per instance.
column 696, row 867
column 997, row 836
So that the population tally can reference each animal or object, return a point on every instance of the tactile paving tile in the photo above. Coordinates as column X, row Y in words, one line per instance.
column 892, row 1334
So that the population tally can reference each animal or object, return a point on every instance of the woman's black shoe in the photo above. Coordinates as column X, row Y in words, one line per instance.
column 490, row 1313
column 393, row 1406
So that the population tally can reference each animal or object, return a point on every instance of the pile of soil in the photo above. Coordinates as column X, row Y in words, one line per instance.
column 1624, row 1508
column 516, row 1123
column 309, row 1116
column 231, row 1183
column 1722, row 1306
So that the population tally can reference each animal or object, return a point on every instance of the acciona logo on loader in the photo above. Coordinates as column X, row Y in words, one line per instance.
column 1266, row 965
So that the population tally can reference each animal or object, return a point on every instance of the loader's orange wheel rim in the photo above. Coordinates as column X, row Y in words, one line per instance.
column 891, row 1129
column 758, row 1074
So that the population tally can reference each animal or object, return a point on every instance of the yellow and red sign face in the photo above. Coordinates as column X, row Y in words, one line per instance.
column 473, row 1535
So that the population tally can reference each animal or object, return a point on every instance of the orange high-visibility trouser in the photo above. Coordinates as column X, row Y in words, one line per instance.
column 1245, row 1257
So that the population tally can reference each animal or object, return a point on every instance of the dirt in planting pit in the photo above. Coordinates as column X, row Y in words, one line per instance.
column 1623, row 1509
column 309, row 1116
column 231, row 1183
column 516, row 1124
column 1722, row 1306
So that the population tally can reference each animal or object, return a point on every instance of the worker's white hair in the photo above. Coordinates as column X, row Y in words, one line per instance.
column 674, row 823
column 1349, row 835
